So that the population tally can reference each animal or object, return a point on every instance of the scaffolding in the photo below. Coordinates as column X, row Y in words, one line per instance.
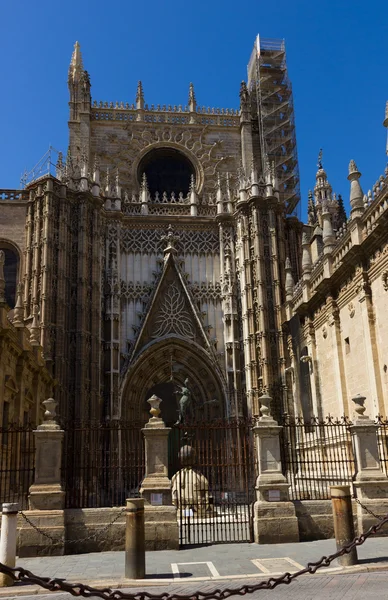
column 271, row 91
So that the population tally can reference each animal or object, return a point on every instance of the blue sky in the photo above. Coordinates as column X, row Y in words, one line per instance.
column 337, row 55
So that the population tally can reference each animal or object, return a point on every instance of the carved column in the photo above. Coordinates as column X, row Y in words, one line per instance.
column 161, row 527
column 112, row 317
column 230, row 314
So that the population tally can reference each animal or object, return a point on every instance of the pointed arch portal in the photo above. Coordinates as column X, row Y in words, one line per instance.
column 162, row 366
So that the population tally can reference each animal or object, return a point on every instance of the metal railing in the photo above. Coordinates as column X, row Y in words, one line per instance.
column 17, row 463
column 103, row 463
column 382, row 442
column 316, row 454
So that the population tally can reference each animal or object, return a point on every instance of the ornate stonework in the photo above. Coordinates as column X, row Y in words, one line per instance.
column 166, row 247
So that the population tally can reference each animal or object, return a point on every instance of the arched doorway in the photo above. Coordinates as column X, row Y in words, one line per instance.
column 162, row 368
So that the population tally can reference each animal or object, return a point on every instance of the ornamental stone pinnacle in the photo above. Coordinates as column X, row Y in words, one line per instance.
column 170, row 239
column 76, row 64
column 139, row 96
column 192, row 101
column 356, row 193
column 289, row 284
column 18, row 313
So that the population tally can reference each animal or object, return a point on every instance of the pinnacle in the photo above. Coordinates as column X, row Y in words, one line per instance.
column 139, row 95
column 353, row 167
column 140, row 92
column 76, row 63
column 192, row 100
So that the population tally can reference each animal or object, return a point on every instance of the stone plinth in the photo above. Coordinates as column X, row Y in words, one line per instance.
column 46, row 492
column 161, row 525
column 274, row 515
column 46, row 497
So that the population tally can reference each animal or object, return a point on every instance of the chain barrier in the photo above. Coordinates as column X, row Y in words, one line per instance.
column 58, row 540
column 85, row 591
column 368, row 509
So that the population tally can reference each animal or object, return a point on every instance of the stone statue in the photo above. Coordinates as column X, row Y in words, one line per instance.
column 184, row 402
column 190, row 488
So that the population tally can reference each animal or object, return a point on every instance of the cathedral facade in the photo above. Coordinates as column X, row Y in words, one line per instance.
column 167, row 248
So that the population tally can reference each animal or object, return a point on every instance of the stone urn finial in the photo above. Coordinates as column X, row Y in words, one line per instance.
column 154, row 402
column 359, row 401
column 265, row 406
column 50, row 414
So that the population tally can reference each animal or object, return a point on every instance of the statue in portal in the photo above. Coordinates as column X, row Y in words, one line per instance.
column 190, row 489
column 184, row 402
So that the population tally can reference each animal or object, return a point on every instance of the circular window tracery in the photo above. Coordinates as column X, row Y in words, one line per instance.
column 168, row 171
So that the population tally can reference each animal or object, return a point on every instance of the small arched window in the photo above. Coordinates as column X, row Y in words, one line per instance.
column 11, row 265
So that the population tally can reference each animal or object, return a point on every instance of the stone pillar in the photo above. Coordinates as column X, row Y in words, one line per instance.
column 161, row 526
column 46, row 492
column 371, row 483
column 46, row 497
column 275, row 520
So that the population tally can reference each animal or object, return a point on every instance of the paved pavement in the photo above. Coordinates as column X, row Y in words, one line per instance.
column 219, row 566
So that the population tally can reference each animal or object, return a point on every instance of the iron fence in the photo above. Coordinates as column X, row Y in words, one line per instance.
column 316, row 454
column 103, row 463
column 213, row 470
column 17, row 463
column 382, row 442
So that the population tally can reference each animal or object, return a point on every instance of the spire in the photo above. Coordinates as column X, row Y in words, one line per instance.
column 322, row 188
column 35, row 330
column 2, row 279
column 76, row 64
column 289, row 284
column 192, row 100
column 385, row 123
column 18, row 313
column 341, row 214
column 356, row 193
column 139, row 96
column 319, row 164
column 311, row 212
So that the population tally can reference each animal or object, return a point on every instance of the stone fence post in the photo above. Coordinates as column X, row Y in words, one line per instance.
column 275, row 520
column 46, row 497
column 46, row 492
column 370, row 482
column 161, row 526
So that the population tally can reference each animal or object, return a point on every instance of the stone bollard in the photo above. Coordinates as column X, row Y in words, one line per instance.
column 135, row 539
column 341, row 501
column 8, row 536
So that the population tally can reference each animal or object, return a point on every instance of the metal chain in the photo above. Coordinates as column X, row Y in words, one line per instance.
column 80, row 589
column 58, row 540
column 368, row 510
